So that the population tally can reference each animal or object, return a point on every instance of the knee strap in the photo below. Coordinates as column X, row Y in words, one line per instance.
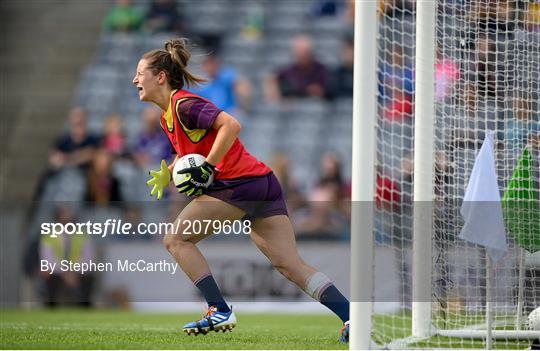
column 316, row 284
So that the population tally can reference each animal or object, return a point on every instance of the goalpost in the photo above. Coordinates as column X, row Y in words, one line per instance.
column 363, row 170
column 446, row 73
column 423, row 168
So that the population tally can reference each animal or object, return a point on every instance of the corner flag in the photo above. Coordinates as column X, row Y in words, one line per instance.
column 481, row 208
column 521, row 203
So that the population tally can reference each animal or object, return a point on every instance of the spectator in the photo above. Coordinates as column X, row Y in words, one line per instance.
column 499, row 19
column 225, row 87
column 254, row 22
column 326, row 215
column 123, row 17
column 348, row 19
column 103, row 186
column 152, row 145
column 330, row 174
column 349, row 14
column 305, row 77
column 472, row 117
column 324, row 8
column 343, row 81
column 443, row 178
column 396, row 86
column 73, row 149
column 470, row 97
column 483, row 66
column 395, row 75
column 528, row 15
column 322, row 219
column 523, row 128
column 280, row 163
column 163, row 17
column 533, row 17
column 387, row 194
column 114, row 140
column 69, row 287
column 76, row 147
column 396, row 8
column 387, row 202
column 446, row 75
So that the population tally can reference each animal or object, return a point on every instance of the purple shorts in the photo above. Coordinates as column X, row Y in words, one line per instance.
column 259, row 197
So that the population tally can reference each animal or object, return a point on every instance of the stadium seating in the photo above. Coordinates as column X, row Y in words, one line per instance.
column 303, row 128
column 105, row 86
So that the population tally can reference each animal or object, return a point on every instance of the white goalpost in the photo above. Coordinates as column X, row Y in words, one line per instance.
column 431, row 79
column 363, row 160
column 423, row 168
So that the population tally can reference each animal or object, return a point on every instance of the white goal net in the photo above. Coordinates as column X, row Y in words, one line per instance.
column 487, row 78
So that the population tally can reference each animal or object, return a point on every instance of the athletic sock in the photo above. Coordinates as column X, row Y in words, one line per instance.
column 321, row 288
column 336, row 302
column 208, row 287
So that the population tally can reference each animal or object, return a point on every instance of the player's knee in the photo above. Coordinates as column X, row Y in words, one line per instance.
column 168, row 242
column 172, row 241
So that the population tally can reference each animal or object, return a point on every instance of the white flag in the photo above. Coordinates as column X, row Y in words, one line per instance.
column 481, row 208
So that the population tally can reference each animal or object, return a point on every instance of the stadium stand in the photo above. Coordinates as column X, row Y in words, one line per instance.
column 255, row 40
column 105, row 86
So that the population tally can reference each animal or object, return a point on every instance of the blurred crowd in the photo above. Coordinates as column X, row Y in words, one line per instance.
column 471, row 81
column 90, row 160
column 107, row 168
column 305, row 76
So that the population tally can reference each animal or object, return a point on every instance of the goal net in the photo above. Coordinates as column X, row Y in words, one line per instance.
column 487, row 78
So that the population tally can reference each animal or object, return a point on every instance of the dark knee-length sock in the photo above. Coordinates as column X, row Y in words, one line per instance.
column 336, row 302
column 321, row 288
column 208, row 287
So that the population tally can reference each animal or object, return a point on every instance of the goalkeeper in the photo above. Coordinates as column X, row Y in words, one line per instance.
column 242, row 187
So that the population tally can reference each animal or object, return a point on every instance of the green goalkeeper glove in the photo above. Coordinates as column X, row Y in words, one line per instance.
column 160, row 180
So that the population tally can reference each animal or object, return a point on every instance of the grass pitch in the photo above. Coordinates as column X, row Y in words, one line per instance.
column 98, row 329
column 108, row 329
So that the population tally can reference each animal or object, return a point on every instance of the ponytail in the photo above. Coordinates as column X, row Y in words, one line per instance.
column 173, row 61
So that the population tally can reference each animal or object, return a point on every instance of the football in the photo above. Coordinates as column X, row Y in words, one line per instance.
column 187, row 161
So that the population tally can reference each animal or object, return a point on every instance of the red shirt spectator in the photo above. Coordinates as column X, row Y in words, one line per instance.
column 387, row 194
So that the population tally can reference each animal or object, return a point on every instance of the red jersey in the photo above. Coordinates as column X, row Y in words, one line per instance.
column 187, row 137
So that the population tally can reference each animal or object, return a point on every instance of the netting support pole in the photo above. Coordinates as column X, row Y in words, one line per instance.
column 489, row 303
column 521, row 279
column 363, row 172
column 423, row 166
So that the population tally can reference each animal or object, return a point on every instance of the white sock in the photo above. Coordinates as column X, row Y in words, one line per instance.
column 316, row 284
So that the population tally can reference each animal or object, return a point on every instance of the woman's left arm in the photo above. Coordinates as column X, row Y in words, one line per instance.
column 228, row 129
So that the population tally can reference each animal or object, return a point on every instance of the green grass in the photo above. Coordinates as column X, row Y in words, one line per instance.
column 388, row 328
column 98, row 329
column 109, row 329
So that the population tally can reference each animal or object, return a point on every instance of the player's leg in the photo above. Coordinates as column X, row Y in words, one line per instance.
column 182, row 243
column 182, row 246
column 274, row 236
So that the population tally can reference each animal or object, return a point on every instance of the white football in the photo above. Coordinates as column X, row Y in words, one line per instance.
column 534, row 319
column 187, row 161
